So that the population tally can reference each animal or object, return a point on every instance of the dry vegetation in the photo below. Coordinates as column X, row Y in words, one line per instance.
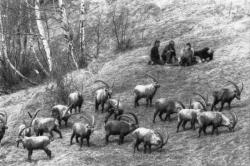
column 205, row 24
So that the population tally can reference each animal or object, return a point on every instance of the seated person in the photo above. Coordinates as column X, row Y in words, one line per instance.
column 187, row 55
column 154, row 55
column 168, row 54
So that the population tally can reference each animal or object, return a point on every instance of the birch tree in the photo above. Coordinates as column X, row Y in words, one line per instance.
column 30, row 44
column 83, row 13
column 68, row 33
column 5, row 54
column 42, row 34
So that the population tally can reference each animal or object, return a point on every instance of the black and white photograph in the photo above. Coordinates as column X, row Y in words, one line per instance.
column 124, row 82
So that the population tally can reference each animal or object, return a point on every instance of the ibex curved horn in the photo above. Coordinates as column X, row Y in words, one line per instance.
column 98, row 89
column 113, row 84
column 162, row 141
column 125, row 116
column 149, row 75
column 93, row 120
column 30, row 115
column 203, row 98
column 87, row 118
column 24, row 123
column 22, row 131
column 190, row 101
column 118, row 103
column 134, row 116
column 5, row 117
column 69, row 108
column 183, row 106
column 204, row 107
column 235, row 85
column 1, row 120
column 241, row 87
column 106, row 84
column 34, row 117
column 235, row 119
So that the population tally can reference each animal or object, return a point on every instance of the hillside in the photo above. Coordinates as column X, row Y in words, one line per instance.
column 205, row 24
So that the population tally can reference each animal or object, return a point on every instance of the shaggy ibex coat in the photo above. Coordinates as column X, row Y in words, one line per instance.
column 75, row 101
column 114, row 107
column 42, row 124
column 121, row 127
column 168, row 107
column 61, row 113
column 146, row 91
column 3, row 124
column 149, row 137
column 83, row 130
column 226, row 95
column 194, row 104
column 102, row 95
column 215, row 119
column 34, row 142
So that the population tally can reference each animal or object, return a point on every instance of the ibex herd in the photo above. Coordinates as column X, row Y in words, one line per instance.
column 124, row 123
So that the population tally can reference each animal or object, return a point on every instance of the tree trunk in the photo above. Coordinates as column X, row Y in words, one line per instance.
column 38, row 61
column 42, row 34
column 31, row 46
column 67, row 31
column 4, row 49
column 82, row 28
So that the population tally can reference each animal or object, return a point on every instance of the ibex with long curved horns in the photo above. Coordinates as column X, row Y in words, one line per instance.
column 115, row 107
column 44, row 124
column 146, row 91
column 83, row 130
column 215, row 119
column 75, row 101
column 168, row 107
column 197, row 104
column 33, row 142
column 226, row 95
column 121, row 127
column 149, row 137
column 103, row 94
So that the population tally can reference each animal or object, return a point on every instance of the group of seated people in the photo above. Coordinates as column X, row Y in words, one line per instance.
column 168, row 55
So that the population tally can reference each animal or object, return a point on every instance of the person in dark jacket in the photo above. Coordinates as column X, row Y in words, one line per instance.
column 154, row 55
column 187, row 55
column 168, row 55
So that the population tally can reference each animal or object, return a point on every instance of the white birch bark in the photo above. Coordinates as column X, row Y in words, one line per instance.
column 82, row 25
column 5, row 55
column 67, row 31
column 31, row 46
column 42, row 34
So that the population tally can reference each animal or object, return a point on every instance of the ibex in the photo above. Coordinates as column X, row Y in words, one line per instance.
column 121, row 127
column 34, row 142
column 114, row 107
column 149, row 137
column 226, row 95
column 61, row 113
column 163, row 105
column 103, row 94
column 42, row 124
column 215, row 119
column 198, row 104
column 75, row 101
column 3, row 124
column 83, row 130
column 146, row 91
